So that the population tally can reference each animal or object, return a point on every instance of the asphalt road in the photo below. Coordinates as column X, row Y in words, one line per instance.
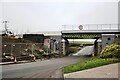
column 38, row 69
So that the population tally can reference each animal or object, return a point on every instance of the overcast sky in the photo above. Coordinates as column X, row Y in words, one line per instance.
column 35, row 16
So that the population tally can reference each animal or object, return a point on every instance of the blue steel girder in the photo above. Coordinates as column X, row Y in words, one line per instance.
column 81, row 36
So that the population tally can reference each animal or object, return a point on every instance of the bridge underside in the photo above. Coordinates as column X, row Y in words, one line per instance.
column 81, row 36
column 87, row 34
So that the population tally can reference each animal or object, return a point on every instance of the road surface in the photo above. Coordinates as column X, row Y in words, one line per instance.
column 38, row 69
column 85, row 51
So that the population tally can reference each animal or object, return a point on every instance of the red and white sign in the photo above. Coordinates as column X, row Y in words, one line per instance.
column 80, row 27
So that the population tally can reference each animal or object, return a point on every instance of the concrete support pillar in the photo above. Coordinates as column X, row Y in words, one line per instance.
column 65, row 46
column 99, row 45
column 54, row 47
column 96, row 47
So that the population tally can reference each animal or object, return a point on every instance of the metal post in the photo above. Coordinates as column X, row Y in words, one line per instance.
column 97, row 27
column 101, row 26
column 72, row 27
column 47, row 49
column 12, row 45
column 110, row 26
column 15, row 59
column 11, row 49
column 88, row 26
column 54, row 47
column 32, row 48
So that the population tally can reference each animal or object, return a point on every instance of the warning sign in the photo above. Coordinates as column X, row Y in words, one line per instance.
column 80, row 27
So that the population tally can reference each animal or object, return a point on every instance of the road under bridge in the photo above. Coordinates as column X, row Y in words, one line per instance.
column 107, row 37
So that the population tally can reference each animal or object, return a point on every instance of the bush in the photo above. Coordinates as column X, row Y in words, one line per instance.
column 112, row 51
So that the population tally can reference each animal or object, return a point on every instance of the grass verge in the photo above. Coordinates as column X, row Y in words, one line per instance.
column 92, row 63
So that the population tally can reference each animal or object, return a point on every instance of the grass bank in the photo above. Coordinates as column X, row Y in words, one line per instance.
column 80, row 42
column 92, row 63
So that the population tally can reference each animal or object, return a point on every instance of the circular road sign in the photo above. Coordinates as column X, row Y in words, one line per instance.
column 80, row 27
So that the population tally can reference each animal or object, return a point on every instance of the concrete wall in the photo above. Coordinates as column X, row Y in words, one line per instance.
column 65, row 46
column 108, row 40
column 53, row 42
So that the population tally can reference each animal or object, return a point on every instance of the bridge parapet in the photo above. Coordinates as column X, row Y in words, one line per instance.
column 91, row 27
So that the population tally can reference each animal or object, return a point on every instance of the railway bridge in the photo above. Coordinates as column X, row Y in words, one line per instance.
column 107, row 36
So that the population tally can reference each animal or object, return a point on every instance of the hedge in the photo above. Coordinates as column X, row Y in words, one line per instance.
column 112, row 51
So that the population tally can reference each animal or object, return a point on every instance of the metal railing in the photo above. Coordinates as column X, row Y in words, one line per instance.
column 91, row 27
column 14, row 48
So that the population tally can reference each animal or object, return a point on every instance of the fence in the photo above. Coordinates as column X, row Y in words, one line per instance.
column 27, row 50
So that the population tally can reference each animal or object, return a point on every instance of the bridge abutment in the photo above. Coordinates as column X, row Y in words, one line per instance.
column 65, row 46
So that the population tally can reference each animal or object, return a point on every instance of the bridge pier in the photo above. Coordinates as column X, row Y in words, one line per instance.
column 96, row 47
column 65, row 46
